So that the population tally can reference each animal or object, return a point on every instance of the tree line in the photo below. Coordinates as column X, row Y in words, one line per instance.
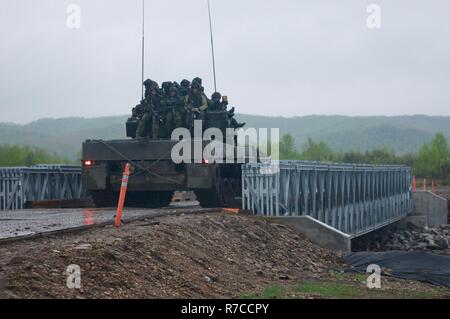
column 17, row 155
column 432, row 161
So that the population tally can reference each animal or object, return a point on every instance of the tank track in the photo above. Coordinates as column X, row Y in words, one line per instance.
column 225, row 192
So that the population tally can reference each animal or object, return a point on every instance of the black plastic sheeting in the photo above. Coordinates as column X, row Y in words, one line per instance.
column 415, row 265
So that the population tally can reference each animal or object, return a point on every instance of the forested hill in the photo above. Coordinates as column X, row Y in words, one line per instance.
column 401, row 134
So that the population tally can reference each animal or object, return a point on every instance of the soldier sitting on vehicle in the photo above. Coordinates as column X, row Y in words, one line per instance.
column 216, row 104
column 219, row 103
column 199, row 81
column 151, row 107
column 142, row 111
column 177, row 105
column 174, row 108
column 195, row 104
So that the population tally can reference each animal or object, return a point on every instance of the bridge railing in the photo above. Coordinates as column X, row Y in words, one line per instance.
column 19, row 185
column 354, row 199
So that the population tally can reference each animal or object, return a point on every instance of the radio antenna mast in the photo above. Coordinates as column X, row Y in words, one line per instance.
column 212, row 46
column 143, row 50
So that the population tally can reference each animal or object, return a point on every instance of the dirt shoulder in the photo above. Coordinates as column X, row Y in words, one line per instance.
column 213, row 255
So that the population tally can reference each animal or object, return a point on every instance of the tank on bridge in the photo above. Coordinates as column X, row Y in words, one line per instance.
column 156, row 176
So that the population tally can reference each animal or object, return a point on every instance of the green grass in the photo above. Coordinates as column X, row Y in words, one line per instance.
column 273, row 292
column 328, row 290
column 340, row 291
column 354, row 277
column 346, row 286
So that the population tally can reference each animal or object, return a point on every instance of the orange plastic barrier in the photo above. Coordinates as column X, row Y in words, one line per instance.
column 232, row 210
column 123, row 193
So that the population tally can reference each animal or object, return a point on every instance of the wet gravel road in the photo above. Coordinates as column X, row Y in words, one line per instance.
column 28, row 223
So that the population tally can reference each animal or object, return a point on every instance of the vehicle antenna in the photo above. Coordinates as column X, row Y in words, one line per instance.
column 143, row 50
column 212, row 46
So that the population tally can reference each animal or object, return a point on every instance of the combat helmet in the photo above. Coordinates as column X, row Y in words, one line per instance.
column 216, row 96
column 166, row 86
column 150, row 84
column 185, row 84
column 198, row 81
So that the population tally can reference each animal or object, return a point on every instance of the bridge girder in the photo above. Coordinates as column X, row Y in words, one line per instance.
column 354, row 199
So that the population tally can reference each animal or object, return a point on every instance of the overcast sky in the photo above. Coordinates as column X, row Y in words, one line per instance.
column 286, row 57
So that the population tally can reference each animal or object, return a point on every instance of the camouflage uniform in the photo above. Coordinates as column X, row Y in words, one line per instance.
column 152, row 112
column 195, row 104
column 143, row 110
column 215, row 104
column 174, row 107
column 142, row 113
column 219, row 104
column 157, row 117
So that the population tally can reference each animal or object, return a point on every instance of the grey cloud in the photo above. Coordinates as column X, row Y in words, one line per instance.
column 287, row 57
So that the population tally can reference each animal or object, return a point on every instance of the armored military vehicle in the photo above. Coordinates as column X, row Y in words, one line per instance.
column 155, row 174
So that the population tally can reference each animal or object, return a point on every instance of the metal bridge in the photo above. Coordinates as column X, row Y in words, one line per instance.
column 354, row 199
column 19, row 185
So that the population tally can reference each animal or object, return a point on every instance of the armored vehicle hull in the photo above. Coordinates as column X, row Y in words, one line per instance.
column 155, row 175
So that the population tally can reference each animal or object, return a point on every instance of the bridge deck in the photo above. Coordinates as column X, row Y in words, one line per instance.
column 30, row 223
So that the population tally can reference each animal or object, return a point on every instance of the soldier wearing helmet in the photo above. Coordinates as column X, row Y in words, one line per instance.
column 199, row 81
column 166, row 87
column 216, row 104
column 174, row 108
column 185, row 86
column 195, row 103
column 151, row 107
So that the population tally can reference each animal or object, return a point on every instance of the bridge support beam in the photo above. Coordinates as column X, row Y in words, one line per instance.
column 317, row 232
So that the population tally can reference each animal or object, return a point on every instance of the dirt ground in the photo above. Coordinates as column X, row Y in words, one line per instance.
column 213, row 255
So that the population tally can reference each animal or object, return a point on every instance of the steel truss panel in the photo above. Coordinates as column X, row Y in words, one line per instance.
column 354, row 199
column 41, row 182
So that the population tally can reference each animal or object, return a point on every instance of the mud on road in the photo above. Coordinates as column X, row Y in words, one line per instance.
column 212, row 255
